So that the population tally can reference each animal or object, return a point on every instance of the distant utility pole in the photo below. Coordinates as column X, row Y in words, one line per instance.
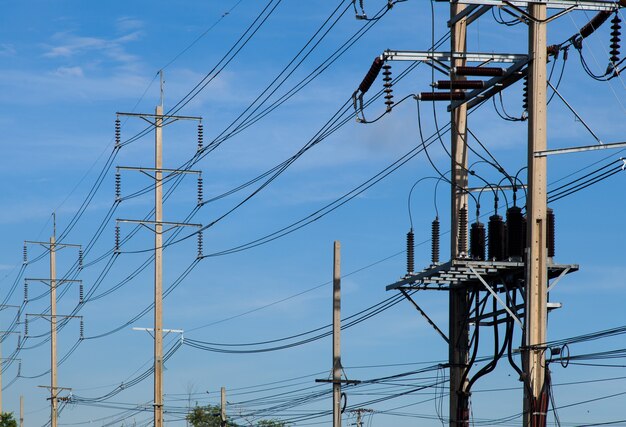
column 21, row 411
column 359, row 415
column 223, row 418
column 52, row 246
column 337, row 334
column 1, row 360
column 337, row 367
column 157, row 120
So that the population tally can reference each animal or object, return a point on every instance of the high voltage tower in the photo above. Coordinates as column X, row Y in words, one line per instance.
column 519, row 262
column 158, row 120
column 53, row 283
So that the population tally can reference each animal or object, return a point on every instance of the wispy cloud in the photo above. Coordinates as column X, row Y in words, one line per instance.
column 66, row 45
column 126, row 23
column 7, row 49
column 69, row 72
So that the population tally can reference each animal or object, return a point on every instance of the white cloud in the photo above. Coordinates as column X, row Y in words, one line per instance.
column 69, row 72
column 126, row 23
column 67, row 45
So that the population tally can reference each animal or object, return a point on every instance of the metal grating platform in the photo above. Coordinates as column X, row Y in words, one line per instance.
column 458, row 273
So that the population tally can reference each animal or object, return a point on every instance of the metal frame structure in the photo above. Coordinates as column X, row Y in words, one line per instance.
column 470, row 283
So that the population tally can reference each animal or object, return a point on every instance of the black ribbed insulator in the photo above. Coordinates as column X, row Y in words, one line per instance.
column 595, row 23
column 118, row 186
column 200, row 136
column 118, row 133
column 200, row 190
column 371, row 75
column 25, row 254
column 200, row 244
column 442, row 96
column 25, row 291
column 496, row 238
column 616, row 26
column 435, row 241
column 479, row 71
column 410, row 252
column 80, row 259
column 388, row 86
column 477, row 241
column 117, row 238
column 462, row 249
column 19, row 367
column 82, row 329
column 514, row 233
column 524, row 237
column 81, row 293
column 525, row 93
column 25, row 326
column 551, row 232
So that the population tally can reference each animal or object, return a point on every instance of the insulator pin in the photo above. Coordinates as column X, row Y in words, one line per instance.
column 25, row 326
column 410, row 252
column 479, row 71
column 495, row 238
column 442, row 96
column 616, row 26
column 388, row 86
column 118, row 186
column 551, row 232
column 81, row 293
column 200, row 137
column 80, row 259
column 25, row 291
column 82, row 329
column 25, row 254
column 514, row 233
column 118, row 133
column 462, row 247
column 525, row 93
column 200, row 190
column 117, row 239
column 477, row 241
column 435, row 241
column 200, row 244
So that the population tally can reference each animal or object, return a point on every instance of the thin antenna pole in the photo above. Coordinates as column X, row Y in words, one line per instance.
column 162, row 87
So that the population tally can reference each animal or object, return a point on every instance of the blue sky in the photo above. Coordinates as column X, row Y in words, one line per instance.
column 67, row 69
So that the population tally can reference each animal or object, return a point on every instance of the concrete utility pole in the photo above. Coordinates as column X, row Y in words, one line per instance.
column 53, row 332
column 52, row 281
column 535, row 402
column 223, row 417
column 359, row 415
column 157, row 225
column 337, row 334
column 337, row 368
column 158, row 267
column 458, row 346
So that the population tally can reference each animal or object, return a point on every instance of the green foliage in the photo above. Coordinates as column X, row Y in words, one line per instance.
column 209, row 416
column 205, row 416
column 271, row 423
column 6, row 420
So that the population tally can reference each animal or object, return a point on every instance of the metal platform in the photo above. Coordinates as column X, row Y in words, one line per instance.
column 459, row 273
column 551, row 4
